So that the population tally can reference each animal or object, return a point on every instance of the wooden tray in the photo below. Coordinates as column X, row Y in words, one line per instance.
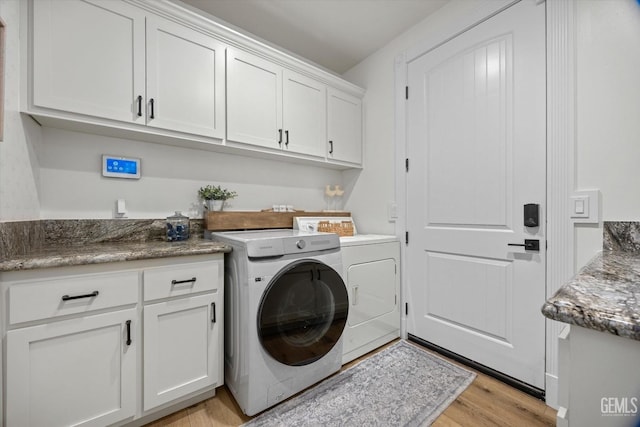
column 240, row 220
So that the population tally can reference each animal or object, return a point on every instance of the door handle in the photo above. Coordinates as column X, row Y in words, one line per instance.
column 529, row 244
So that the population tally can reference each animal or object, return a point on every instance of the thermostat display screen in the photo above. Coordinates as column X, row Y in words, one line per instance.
column 120, row 167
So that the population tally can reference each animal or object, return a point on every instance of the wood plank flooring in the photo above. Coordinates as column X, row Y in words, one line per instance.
column 486, row 402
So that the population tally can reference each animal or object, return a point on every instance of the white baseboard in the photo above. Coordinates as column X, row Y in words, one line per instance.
column 551, row 390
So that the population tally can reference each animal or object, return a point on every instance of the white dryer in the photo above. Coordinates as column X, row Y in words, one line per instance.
column 371, row 270
column 286, row 307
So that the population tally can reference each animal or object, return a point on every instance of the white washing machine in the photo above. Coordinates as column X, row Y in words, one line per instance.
column 286, row 307
column 371, row 270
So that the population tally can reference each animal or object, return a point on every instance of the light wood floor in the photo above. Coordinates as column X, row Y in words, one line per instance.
column 486, row 402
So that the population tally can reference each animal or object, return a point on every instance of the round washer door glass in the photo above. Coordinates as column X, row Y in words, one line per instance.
column 303, row 313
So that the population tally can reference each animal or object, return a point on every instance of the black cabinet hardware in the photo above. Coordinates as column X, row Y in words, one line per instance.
column 91, row 295
column 152, row 115
column 330, row 147
column 529, row 244
column 286, row 140
column 177, row 282
column 139, row 106
column 213, row 312
column 279, row 136
column 128, row 332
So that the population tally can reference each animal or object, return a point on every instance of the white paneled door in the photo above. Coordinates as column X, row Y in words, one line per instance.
column 476, row 145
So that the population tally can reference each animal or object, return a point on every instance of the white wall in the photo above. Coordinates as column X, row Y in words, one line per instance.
column 19, row 175
column 73, row 187
column 608, row 112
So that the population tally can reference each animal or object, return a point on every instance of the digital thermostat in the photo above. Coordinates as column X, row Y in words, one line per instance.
column 120, row 167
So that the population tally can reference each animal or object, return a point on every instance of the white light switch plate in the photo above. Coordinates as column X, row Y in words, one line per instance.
column 392, row 211
column 585, row 207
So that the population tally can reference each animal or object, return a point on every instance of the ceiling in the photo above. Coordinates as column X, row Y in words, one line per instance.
column 336, row 34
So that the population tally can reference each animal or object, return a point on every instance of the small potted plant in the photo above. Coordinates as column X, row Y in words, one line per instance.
column 214, row 196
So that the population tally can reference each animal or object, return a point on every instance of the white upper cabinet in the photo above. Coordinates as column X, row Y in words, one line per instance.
column 88, row 57
column 92, row 58
column 304, row 115
column 345, row 127
column 156, row 71
column 185, row 79
column 254, row 100
column 273, row 107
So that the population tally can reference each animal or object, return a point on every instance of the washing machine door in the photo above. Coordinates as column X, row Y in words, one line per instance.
column 302, row 313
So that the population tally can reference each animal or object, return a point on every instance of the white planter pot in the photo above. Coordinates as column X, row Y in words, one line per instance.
column 214, row 205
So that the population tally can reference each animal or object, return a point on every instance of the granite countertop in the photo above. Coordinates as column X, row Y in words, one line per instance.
column 604, row 296
column 97, row 253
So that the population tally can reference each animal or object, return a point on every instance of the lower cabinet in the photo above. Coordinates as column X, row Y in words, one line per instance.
column 598, row 379
column 180, row 343
column 74, row 372
column 112, row 344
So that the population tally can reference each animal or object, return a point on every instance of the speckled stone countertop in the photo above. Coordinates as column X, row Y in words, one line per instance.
column 605, row 294
column 60, row 243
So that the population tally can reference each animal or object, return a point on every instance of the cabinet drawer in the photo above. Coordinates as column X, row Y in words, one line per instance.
column 181, row 279
column 42, row 299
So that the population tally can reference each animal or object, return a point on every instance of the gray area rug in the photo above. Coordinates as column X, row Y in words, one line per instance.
column 402, row 385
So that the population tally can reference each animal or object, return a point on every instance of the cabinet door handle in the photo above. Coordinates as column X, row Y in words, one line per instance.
column 91, row 295
column 330, row 147
column 129, row 332
column 139, row 105
column 213, row 312
column 178, row 282
column 279, row 136
column 286, row 140
column 152, row 115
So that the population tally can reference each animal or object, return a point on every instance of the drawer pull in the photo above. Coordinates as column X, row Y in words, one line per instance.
column 213, row 312
column 128, row 332
column 178, row 282
column 91, row 295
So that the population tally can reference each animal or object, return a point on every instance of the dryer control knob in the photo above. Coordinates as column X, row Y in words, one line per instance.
column 301, row 244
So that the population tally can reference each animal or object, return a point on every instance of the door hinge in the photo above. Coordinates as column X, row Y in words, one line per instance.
column 406, row 164
column 406, row 92
column 406, row 237
column 406, row 308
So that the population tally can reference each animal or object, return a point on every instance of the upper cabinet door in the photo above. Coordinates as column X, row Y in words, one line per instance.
column 304, row 114
column 345, row 127
column 89, row 58
column 185, row 79
column 254, row 100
